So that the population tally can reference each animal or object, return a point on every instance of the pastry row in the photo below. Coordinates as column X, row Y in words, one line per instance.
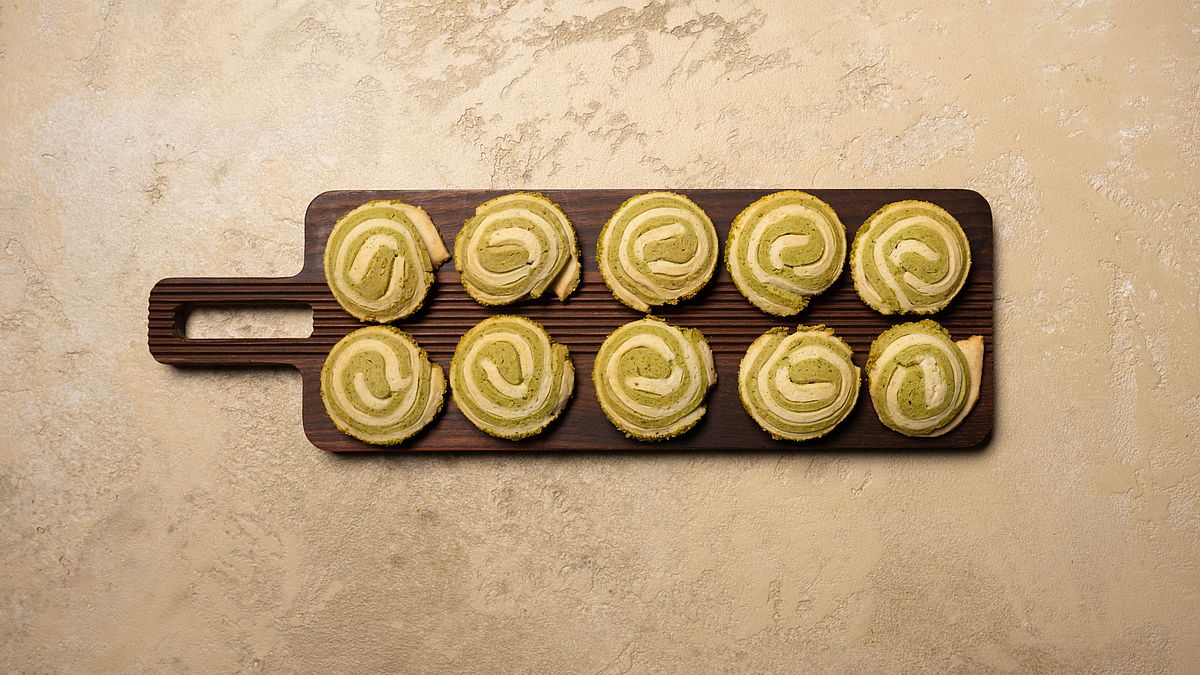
column 511, row 379
column 658, row 248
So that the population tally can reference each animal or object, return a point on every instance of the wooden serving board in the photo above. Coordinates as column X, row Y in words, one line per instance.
column 725, row 317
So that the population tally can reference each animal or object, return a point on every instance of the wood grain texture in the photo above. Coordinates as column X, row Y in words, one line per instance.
column 725, row 317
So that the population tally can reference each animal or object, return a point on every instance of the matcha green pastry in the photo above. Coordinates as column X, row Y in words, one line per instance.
column 910, row 258
column 517, row 246
column 657, row 249
column 798, row 386
column 380, row 258
column 784, row 249
column 652, row 378
column 923, row 383
column 379, row 386
column 509, row 378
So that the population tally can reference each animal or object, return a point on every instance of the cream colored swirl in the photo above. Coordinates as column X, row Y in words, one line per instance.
column 910, row 258
column 798, row 386
column 652, row 378
column 922, row 383
column 509, row 378
column 785, row 248
column 658, row 248
column 380, row 258
column 516, row 247
column 379, row 386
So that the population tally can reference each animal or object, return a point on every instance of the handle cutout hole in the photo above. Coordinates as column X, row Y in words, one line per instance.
column 223, row 322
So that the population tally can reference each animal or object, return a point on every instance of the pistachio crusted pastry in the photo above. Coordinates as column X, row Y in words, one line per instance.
column 380, row 258
column 784, row 249
column 379, row 386
column 516, row 247
column 923, row 383
column 910, row 258
column 798, row 386
column 657, row 249
column 509, row 378
column 652, row 378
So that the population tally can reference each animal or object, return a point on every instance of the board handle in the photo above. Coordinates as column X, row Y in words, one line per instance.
column 171, row 300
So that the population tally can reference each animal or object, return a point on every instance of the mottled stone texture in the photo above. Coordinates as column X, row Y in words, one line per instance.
column 155, row 519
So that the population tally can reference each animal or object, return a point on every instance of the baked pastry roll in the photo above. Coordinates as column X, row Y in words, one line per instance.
column 923, row 383
column 784, row 249
column 910, row 258
column 801, row 385
column 517, row 246
column 652, row 378
column 510, row 378
column 379, row 386
column 657, row 249
column 380, row 258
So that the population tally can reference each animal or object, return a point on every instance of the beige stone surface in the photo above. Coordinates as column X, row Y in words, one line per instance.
column 157, row 520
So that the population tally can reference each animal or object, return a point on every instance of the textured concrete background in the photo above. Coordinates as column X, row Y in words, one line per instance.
column 163, row 520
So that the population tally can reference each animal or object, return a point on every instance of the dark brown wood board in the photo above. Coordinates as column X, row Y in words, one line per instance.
column 727, row 319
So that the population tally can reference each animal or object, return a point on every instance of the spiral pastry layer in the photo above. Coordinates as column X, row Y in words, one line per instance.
column 509, row 378
column 657, row 249
column 379, row 386
column 798, row 386
column 652, row 378
column 910, row 258
column 516, row 247
column 922, row 383
column 784, row 249
column 380, row 258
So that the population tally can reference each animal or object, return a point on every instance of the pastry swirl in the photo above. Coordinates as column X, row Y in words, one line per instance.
column 658, row 248
column 922, row 383
column 509, row 378
column 798, row 386
column 784, row 249
column 910, row 258
column 516, row 247
column 380, row 258
column 652, row 378
column 379, row 386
